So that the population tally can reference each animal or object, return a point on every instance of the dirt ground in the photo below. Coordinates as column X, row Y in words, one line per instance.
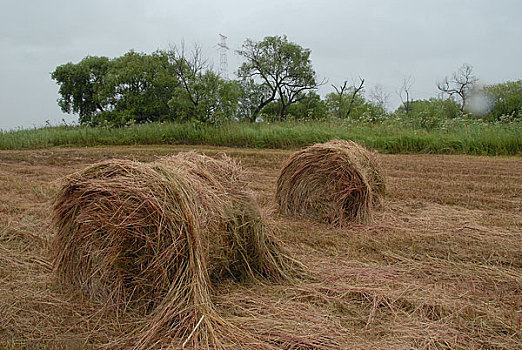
column 440, row 267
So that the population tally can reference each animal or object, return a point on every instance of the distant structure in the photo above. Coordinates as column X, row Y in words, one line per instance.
column 223, row 62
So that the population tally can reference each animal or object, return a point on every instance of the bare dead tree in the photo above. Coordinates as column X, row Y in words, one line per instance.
column 380, row 96
column 341, row 93
column 405, row 91
column 461, row 84
column 356, row 90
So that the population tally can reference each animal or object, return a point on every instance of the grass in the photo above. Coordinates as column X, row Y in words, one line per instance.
column 475, row 139
column 156, row 237
column 337, row 182
column 439, row 268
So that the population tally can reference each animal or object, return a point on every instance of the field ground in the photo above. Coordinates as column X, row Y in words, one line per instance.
column 440, row 267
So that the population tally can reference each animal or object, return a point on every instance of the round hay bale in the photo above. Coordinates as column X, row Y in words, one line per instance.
column 335, row 182
column 155, row 237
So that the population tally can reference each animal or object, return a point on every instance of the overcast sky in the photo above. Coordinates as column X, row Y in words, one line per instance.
column 382, row 41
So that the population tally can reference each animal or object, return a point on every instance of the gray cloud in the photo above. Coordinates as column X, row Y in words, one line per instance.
column 382, row 41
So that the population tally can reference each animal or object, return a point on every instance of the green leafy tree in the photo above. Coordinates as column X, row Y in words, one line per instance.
column 309, row 107
column 83, row 87
column 229, row 93
column 135, row 87
column 283, row 68
column 251, row 95
column 142, row 86
column 213, row 100
column 506, row 100
column 202, row 94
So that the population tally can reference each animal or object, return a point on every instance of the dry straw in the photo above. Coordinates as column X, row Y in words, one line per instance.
column 155, row 237
column 335, row 182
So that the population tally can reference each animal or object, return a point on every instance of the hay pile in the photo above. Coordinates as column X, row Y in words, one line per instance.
column 334, row 182
column 155, row 237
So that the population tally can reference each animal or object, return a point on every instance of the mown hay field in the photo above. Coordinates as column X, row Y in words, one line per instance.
column 439, row 267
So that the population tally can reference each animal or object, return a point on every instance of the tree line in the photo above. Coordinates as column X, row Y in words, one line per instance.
column 276, row 82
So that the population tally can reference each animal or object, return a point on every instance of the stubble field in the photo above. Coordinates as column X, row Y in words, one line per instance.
column 439, row 267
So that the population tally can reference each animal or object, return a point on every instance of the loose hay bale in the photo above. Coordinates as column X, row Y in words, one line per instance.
column 155, row 237
column 334, row 182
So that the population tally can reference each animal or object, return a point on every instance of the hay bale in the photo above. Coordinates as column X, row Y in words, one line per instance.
column 155, row 237
column 335, row 182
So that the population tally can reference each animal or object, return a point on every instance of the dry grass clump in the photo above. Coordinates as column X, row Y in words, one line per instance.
column 155, row 237
column 439, row 268
column 335, row 182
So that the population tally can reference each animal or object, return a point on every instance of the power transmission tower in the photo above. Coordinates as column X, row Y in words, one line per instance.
column 223, row 62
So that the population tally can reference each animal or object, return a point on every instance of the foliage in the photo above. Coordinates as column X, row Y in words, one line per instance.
column 506, row 100
column 209, row 99
column 133, row 88
column 141, row 87
column 283, row 68
column 251, row 95
column 427, row 114
column 202, row 94
column 309, row 107
column 342, row 104
column 338, row 104
column 360, row 110
column 276, row 83
column 83, row 87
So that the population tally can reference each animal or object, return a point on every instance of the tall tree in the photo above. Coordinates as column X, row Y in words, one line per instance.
column 134, row 87
column 189, row 67
column 283, row 68
column 202, row 94
column 405, row 93
column 461, row 84
column 83, row 87
column 143, row 84
column 380, row 96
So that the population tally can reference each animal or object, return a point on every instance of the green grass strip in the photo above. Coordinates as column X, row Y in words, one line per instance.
column 475, row 139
